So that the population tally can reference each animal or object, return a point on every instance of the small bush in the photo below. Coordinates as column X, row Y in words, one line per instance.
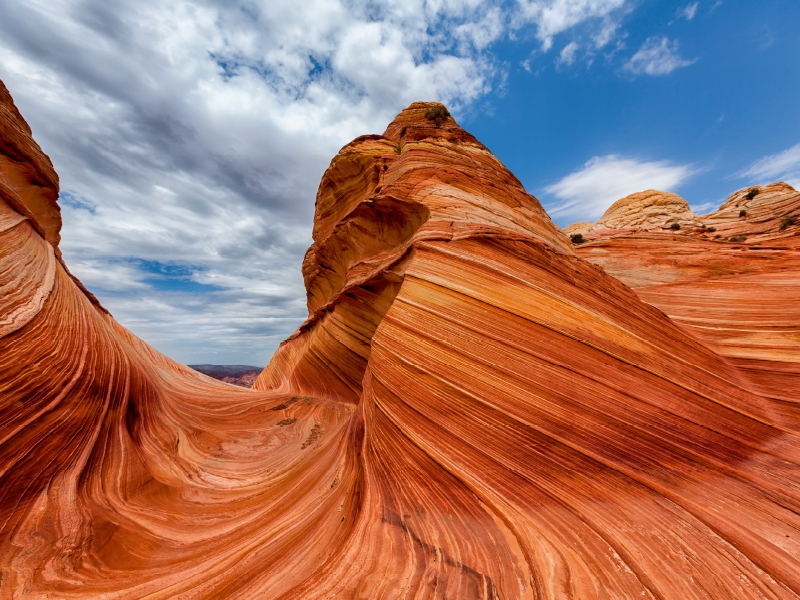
column 751, row 193
column 675, row 226
column 738, row 238
column 711, row 230
column 717, row 236
column 398, row 149
column 577, row 238
column 788, row 222
column 742, row 213
column 437, row 114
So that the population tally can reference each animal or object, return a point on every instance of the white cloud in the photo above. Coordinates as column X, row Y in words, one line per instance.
column 783, row 165
column 688, row 12
column 657, row 56
column 552, row 17
column 567, row 56
column 705, row 207
column 194, row 133
column 606, row 33
column 586, row 193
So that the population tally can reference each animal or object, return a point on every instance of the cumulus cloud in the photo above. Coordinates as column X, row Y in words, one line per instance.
column 585, row 194
column 194, row 134
column 688, row 12
column 190, row 136
column 781, row 166
column 657, row 56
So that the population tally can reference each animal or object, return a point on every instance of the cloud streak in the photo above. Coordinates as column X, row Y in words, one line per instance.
column 658, row 55
column 688, row 12
column 553, row 17
column 782, row 165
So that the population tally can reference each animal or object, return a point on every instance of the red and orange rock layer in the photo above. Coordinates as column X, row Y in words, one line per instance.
column 733, row 284
column 470, row 411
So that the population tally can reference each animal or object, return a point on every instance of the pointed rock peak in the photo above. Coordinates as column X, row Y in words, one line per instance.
column 28, row 182
column 423, row 120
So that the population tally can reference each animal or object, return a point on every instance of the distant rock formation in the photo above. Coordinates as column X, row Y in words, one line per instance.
column 579, row 227
column 757, row 211
column 642, row 211
column 650, row 209
column 241, row 375
column 471, row 410
column 732, row 285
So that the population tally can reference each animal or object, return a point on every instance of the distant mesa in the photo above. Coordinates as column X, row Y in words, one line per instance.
column 475, row 407
column 241, row 375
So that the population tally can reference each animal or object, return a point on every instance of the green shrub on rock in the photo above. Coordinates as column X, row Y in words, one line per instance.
column 577, row 238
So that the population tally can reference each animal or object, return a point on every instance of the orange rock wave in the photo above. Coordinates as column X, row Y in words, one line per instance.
column 732, row 284
column 470, row 411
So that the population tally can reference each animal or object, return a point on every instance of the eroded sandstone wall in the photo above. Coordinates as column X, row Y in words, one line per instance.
column 471, row 410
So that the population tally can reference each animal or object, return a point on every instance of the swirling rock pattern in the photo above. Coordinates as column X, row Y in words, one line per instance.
column 733, row 284
column 470, row 411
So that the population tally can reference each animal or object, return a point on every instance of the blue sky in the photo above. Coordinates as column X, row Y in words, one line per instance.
column 734, row 104
column 190, row 136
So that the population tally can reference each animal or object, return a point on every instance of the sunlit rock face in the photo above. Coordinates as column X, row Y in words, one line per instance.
column 762, row 210
column 581, row 227
column 642, row 211
column 470, row 411
column 650, row 209
column 734, row 285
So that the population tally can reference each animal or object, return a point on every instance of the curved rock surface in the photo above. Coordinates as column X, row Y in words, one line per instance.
column 642, row 211
column 579, row 227
column 733, row 286
column 470, row 411
column 763, row 210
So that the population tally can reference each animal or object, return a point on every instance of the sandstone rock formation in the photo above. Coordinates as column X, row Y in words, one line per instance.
column 642, row 211
column 470, row 411
column 733, row 286
column 579, row 227
column 757, row 211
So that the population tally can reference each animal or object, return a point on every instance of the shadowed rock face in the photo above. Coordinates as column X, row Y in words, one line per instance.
column 470, row 411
